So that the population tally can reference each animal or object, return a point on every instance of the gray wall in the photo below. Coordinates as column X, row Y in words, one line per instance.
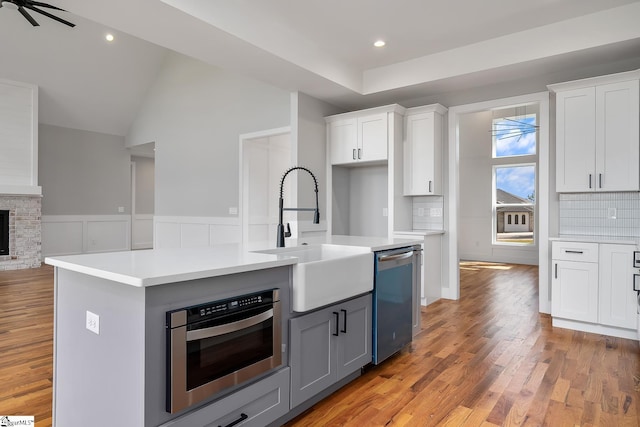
column 309, row 140
column 82, row 172
column 195, row 113
column 145, row 184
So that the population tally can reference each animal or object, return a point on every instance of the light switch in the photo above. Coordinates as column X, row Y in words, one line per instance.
column 612, row 213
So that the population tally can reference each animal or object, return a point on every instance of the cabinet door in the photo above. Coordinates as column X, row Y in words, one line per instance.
column 422, row 155
column 574, row 291
column 576, row 140
column 372, row 138
column 354, row 344
column 312, row 354
column 617, row 148
column 343, row 141
column 617, row 298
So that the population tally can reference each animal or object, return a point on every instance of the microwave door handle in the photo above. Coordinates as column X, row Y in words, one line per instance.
column 215, row 331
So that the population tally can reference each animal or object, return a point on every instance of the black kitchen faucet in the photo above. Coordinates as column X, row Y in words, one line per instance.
column 316, row 216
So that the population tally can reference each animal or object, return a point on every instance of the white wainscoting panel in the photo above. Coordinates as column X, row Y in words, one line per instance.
column 193, row 232
column 142, row 232
column 78, row 234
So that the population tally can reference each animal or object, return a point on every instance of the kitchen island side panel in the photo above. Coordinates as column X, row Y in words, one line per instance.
column 172, row 296
column 98, row 378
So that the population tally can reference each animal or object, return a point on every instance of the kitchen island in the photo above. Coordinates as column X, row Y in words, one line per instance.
column 110, row 339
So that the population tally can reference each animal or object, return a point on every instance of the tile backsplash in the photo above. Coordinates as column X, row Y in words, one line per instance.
column 428, row 213
column 600, row 214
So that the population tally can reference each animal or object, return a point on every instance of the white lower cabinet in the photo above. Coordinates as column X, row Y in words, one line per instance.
column 574, row 293
column 618, row 302
column 592, row 288
column 327, row 345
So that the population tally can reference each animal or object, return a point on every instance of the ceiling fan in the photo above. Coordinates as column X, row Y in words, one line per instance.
column 21, row 5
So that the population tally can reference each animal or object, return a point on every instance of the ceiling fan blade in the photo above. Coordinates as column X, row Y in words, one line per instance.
column 39, row 4
column 48, row 15
column 28, row 17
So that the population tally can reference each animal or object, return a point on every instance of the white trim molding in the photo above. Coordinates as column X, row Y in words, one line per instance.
column 80, row 234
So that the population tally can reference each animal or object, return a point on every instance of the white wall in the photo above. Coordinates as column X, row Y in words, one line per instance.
column 194, row 113
column 475, row 241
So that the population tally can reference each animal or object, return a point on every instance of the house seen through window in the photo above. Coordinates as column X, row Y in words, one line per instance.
column 514, row 179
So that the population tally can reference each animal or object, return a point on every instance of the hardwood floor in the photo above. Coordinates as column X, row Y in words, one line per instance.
column 488, row 359
column 26, row 343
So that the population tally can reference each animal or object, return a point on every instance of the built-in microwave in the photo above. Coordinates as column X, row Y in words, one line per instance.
column 214, row 346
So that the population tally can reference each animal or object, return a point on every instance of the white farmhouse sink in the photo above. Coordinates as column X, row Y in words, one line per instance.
column 326, row 273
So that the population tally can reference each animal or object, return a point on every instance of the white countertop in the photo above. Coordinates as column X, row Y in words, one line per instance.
column 418, row 232
column 159, row 266
column 620, row 240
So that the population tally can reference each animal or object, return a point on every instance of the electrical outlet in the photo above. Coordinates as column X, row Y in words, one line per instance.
column 385, row 212
column 612, row 213
column 120, row 209
column 420, row 211
column 93, row 322
column 436, row 212
column 233, row 211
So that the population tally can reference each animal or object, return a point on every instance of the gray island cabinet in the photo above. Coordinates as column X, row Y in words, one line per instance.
column 329, row 345
column 120, row 372
column 111, row 340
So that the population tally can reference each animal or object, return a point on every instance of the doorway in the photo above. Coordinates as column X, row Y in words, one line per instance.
column 264, row 157
column 458, row 230
column 142, row 195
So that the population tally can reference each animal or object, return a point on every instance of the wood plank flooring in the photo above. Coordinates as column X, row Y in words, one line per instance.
column 488, row 359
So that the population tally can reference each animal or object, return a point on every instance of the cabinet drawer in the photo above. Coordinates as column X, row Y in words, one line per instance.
column 574, row 251
column 258, row 405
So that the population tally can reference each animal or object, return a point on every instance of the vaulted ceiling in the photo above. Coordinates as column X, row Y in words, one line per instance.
column 320, row 47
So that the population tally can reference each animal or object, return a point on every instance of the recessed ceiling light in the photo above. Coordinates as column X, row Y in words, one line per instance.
column 109, row 37
column 379, row 43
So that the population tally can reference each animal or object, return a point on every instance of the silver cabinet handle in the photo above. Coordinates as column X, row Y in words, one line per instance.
column 573, row 252
column 359, row 153
column 589, row 180
column 429, row 186
column 556, row 273
column 354, row 154
column 600, row 180
column 337, row 332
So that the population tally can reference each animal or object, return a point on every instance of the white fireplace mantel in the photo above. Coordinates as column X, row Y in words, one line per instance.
column 20, row 190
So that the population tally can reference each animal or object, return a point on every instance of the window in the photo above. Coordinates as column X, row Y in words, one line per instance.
column 514, row 136
column 514, row 153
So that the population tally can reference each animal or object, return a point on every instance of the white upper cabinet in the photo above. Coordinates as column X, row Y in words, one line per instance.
column 423, row 150
column 597, row 134
column 360, row 137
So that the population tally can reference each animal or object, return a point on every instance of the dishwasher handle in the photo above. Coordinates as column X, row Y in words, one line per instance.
column 386, row 261
column 396, row 257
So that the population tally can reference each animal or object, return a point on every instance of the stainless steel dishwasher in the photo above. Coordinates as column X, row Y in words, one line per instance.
column 395, row 273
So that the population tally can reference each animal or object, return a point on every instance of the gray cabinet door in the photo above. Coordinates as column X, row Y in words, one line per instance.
column 355, row 334
column 312, row 354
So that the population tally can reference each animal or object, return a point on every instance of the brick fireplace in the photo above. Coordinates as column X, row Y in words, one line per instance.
column 25, row 231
